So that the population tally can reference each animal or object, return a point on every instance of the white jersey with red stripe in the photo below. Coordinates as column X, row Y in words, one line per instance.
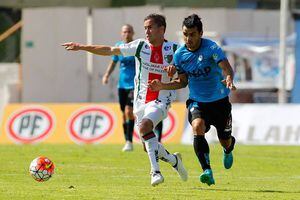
column 150, row 62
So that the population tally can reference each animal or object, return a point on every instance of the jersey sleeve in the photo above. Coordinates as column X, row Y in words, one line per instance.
column 177, row 63
column 115, row 58
column 217, row 53
column 129, row 49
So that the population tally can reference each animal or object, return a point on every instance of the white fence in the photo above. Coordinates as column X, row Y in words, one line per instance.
column 50, row 74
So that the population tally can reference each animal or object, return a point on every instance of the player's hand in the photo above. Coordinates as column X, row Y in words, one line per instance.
column 155, row 85
column 171, row 70
column 228, row 82
column 105, row 79
column 71, row 46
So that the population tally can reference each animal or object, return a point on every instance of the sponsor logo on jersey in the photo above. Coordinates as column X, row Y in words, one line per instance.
column 214, row 46
column 167, row 48
column 200, row 58
column 90, row 125
column 147, row 46
column 168, row 58
column 215, row 56
column 200, row 72
column 30, row 125
column 145, row 52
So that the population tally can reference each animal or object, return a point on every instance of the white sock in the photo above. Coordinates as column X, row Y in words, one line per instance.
column 152, row 150
column 164, row 155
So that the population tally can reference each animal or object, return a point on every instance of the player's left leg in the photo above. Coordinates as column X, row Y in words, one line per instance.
column 223, row 124
column 228, row 146
column 129, row 128
column 151, row 146
column 227, row 141
column 122, row 101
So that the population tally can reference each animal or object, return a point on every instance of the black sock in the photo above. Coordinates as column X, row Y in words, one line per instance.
column 227, row 151
column 158, row 130
column 201, row 149
column 125, row 131
column 130, row 127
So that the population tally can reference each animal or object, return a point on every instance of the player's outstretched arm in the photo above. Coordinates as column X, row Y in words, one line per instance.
column 108, row 72
column 102, row 50
column 175, row 84
column 228, row 73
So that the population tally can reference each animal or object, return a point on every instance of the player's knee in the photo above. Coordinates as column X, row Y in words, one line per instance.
column 199, row 133
column 146, row 126
column 198, row 127
column 124, row 117
column 129, row 112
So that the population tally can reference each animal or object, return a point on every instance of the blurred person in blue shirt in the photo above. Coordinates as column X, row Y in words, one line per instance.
column 125, row 84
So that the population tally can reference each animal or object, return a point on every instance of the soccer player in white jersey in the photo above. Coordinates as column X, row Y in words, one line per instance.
column 152, row 55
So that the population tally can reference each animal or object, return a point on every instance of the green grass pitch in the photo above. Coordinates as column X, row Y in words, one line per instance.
column 104, row 172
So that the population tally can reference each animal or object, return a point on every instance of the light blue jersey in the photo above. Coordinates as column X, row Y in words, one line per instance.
column 204, row 74
column 127, row 69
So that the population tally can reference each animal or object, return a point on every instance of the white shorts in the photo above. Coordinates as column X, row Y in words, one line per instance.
column 156, row 111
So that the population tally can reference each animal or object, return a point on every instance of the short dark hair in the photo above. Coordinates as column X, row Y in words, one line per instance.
column 158, row 19
column 129, row 26
column 193, row 21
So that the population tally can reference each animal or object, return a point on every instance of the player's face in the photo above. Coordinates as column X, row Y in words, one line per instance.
column 127, row 34
column 191, row 37
column 152, row 31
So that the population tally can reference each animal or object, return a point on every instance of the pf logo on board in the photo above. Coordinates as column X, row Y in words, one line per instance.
column 90, row 125
column 30, row 125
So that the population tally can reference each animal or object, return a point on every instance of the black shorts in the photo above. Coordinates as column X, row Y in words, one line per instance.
column 216, row 113
column 125, row 98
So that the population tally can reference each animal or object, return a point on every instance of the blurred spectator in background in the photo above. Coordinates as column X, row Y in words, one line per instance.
column 125, row 84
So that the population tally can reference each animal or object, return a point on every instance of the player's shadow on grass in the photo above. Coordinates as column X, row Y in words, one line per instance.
column 259, row 191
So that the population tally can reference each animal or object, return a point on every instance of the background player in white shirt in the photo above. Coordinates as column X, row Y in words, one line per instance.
column 152, row 55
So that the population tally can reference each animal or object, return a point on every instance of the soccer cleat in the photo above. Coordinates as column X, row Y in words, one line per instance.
column 227, row 160
column 228, row 157
column 156, row 178
column 180, row 168
column 128, row 146
column 207, row 177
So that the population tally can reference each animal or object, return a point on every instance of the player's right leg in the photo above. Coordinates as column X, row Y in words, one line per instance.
column 128, row 117
column 200, row 144
column 122, row 102
column 151, row 145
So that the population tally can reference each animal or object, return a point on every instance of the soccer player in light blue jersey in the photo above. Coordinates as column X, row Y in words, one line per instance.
column 202, row 65
column 125, row 85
